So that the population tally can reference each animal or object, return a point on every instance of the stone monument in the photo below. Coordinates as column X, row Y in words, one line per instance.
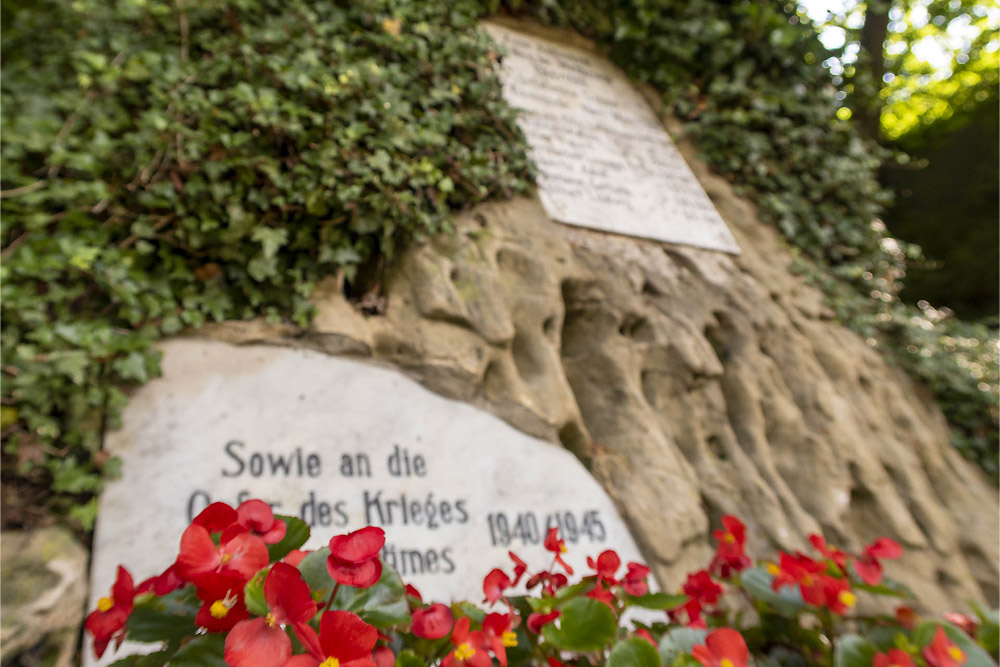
column 604, row 158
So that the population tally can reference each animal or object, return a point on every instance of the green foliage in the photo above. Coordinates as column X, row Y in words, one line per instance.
column 747, row 77
column 170, row 164
column 633, row 652
column 296, row 534
column 585, row 625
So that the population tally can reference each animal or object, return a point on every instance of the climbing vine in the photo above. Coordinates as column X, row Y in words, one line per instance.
column 170, row 163
column 747, row 79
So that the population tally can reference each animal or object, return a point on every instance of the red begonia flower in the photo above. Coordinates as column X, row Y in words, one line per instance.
column 257, row 516
column 243, row 554
column 520, row 567
column 222, row 603
column 494, row 584
column 964, row 623
column 605, row 566
column 555, row 663
column 601, row 594
column 411, row 591
column 497, row 630
column 383, row 657
column 216, row 517
column 805, row 572
column 730, row 555
column 557, row 546
column 692, row 609
column 868, row 565
column 344, row 640
column 163, row 583
column 724, row 647
column 839, row 597
column 260, row 642
column 942, row 652
column 699, row 586
column 634, row 581
column 470, row 647
column 434, row 622
column 894, row 658
column 353, row 559
column 537, row 620
column 107, row 622
column 833, row 553
column 906, row 617
column 295, row 556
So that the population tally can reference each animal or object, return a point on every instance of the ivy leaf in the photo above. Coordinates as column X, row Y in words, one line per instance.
column 585, row 625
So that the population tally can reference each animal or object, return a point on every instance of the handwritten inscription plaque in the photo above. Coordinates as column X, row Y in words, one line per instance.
column 341, row 444
column 605, row 160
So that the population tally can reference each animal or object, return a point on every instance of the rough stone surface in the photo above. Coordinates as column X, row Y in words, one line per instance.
column 692, row 384
column 43, row 575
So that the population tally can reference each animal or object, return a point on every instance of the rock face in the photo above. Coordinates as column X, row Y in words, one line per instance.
column 44, row 582
column 691, row 383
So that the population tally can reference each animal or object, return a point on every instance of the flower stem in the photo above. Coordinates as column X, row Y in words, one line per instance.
column 333, row 594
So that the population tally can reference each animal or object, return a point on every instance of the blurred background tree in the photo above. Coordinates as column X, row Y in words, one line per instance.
column 921, row 77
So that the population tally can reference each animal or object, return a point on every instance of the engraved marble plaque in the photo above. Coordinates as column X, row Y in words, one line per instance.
column 340, row 444
column 605, row 160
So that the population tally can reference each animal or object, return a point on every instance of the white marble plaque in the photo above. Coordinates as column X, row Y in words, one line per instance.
column 605, row 160
column 341, row 444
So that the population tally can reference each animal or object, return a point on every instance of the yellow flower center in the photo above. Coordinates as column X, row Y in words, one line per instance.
column 847, row 598
column 218, row 609
column 271, row 620
column 509, row 638
column 729, row 538
column 726, row 662
column 330, row 662
column 104, row 604
column 807, row 580
column 895, row 665
column 773, row 569
column 956, row 654
column 227, row 557
column 464, row 651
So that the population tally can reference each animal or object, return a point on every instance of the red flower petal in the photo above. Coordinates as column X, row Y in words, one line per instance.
column 123, row 590
column 728, row 643
column 536, row 620
column 254, row 643
column 301, row 661
column 884, row 547
column 198, row 554
column 869, row 569
column 359, row 546
column 249, row 555
column 215, row 518
column 736, row 528
column 494, row 584
column 432, row 623
column 344, row 636
column 288, row 595
column 461, row 631
column 384, row 657
column 359, row 575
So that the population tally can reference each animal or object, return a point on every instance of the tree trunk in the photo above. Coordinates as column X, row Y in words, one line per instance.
column 871, row 68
